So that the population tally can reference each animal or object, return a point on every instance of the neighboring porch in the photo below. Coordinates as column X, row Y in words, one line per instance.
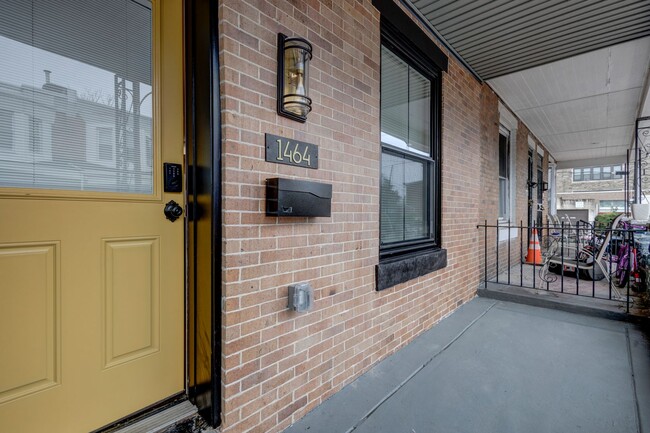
column 607, row 267
column 495, row 366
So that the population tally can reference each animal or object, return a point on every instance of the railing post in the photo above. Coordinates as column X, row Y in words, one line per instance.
column 521, row 253
column 497, row 255
column 577, row 270
column 593, row 261
column 609, row 268
column 485, row 260
column 562, row 258
column 548, row 240
column 508, row 240
column 534, row 256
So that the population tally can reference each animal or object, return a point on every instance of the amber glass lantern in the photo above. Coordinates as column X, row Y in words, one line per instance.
column 294, row 55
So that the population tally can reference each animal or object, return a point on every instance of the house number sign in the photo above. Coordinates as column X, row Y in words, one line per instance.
column 281, row 150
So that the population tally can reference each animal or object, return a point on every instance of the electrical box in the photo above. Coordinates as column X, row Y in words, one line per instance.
column 300, row 198
column 301, row 297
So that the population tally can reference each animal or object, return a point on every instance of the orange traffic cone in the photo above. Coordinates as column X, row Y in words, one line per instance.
column 534, row 251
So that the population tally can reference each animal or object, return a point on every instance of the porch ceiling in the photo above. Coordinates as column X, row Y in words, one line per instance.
column 575, row 72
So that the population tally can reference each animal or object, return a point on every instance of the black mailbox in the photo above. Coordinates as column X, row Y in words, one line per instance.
column 300, row 198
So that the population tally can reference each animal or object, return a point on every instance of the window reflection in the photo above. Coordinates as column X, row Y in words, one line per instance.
column 75, row 99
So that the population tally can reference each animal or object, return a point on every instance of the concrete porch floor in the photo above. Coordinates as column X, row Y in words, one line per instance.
column 501, row 367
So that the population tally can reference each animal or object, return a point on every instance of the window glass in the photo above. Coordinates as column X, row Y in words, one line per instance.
column 595, row 173
column 405, row 105
column 611, row 205
column 394, row 99
column 392, row 198
column 75, row 99
column 419, row 113
column 577, row 174
column 607, row 173
column 504, row 176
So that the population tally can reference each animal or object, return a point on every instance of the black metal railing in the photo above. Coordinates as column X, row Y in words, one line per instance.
column 605, row 263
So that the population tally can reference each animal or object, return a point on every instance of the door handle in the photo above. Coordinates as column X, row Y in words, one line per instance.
column 173, row 211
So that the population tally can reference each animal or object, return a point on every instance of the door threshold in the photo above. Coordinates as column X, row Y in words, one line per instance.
column 181, row 417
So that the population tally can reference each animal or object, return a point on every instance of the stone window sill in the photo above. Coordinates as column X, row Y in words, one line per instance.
column 394, row 271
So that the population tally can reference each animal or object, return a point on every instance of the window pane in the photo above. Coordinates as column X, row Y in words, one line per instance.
column 595, row 173
column 607, row 173
column 405, row 105
column 404, row 200
column 415, row 203
column 503, row 156
column 392, row 198
column 419, row 113
column 577, row 174
column 394, row 99
column 78, row 94
column 503, row 198
column 586, row 174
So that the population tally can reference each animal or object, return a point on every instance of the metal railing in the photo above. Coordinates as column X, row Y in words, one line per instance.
column 575, row 259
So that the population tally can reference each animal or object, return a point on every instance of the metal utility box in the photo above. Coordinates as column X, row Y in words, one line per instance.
column 301, row 297
column 300, row 198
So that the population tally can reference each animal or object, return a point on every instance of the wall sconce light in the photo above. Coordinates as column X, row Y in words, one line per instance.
column 294, row 55
column 545, row 186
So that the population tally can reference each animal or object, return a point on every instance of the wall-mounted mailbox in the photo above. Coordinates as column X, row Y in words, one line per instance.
column 300, row 198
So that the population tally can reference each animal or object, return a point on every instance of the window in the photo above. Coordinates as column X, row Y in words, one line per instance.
column 504, row 175
column 611, row 206
column 506, row 172
column 410, row 106
column 596, row 173
column 105, row 140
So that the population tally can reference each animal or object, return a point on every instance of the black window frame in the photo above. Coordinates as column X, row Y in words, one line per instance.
column 401, row 46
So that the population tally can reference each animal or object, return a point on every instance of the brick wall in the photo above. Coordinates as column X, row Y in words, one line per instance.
column 278, row 365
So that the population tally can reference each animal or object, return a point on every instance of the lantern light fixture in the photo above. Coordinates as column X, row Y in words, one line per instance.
column 294, row 55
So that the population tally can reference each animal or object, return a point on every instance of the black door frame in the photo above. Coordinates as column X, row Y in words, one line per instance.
column 204, row 234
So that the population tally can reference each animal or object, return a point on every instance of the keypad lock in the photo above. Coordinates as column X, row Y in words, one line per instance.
column 173, row 211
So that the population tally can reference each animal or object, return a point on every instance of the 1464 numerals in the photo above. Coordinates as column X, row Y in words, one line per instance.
column 282, row 150
column 293, row 155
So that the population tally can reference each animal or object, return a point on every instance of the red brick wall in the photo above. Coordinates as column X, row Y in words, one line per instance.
column 278, row 365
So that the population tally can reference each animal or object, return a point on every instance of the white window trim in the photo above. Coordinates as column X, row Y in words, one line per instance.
column 508, row 124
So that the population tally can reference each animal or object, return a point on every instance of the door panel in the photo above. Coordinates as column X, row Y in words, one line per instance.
column 31, row 294
column 91, row 279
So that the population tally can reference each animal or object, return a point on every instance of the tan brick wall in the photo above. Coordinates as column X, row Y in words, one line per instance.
column 278, row 365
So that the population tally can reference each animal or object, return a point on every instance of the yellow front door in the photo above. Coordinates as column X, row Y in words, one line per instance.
column 91, row 271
